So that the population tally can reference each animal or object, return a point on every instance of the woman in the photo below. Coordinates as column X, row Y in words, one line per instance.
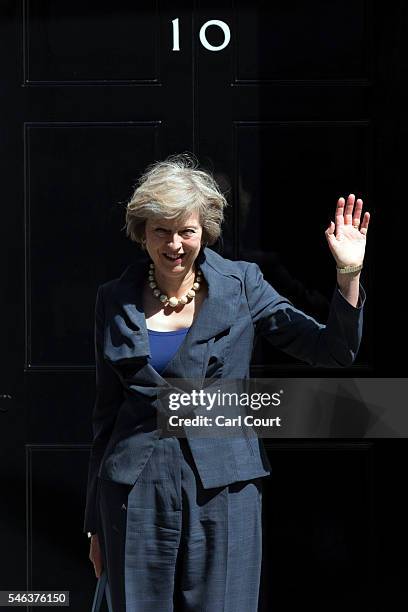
column 176, row 521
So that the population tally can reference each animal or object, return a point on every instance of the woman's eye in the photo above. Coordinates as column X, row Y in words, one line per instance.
column 162, row 232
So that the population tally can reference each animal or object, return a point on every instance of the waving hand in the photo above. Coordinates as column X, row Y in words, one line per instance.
column 347, row 236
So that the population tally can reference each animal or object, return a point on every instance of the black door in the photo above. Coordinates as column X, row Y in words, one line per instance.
column 290, row 105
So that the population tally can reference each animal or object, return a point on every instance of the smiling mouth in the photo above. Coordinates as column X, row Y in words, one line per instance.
column 170, row 258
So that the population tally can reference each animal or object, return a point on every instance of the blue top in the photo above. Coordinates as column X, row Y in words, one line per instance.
column 164, row 345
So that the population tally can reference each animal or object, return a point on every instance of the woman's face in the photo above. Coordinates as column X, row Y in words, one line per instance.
column 166, row 239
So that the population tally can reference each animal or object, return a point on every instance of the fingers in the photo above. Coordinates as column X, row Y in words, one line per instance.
column 357, row 213
column 344, row 212
column 98, row 565
column 330, row 233
column 364, row 225
column 98, row 569
column 345, row 215
column 348, row 214
column 339, row 218
column 95, row 555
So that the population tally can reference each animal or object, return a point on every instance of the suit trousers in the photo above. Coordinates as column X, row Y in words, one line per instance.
column 169, row 545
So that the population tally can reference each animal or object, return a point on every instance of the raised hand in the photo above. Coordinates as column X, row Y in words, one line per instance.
column 347, row 237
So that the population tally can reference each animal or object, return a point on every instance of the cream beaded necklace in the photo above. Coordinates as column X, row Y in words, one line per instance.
column 173, row 301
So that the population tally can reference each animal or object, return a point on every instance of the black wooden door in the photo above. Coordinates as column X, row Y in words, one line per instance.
column 290, row 105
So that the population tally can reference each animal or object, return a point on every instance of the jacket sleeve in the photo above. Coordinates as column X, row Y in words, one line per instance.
column 332, row 345
column 108, row 397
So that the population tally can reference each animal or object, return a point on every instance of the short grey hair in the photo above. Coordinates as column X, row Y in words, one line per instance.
column 173, row 189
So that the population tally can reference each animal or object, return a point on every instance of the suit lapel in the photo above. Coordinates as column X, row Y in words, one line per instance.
column 125, row 322
column 126, row 335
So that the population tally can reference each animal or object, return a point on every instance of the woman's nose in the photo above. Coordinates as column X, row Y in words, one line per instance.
column 175, row 241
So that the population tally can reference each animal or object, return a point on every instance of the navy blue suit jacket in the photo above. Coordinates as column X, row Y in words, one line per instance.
column 240, row 305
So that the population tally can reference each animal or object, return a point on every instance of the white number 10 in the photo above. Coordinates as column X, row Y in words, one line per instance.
column 221, row 24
